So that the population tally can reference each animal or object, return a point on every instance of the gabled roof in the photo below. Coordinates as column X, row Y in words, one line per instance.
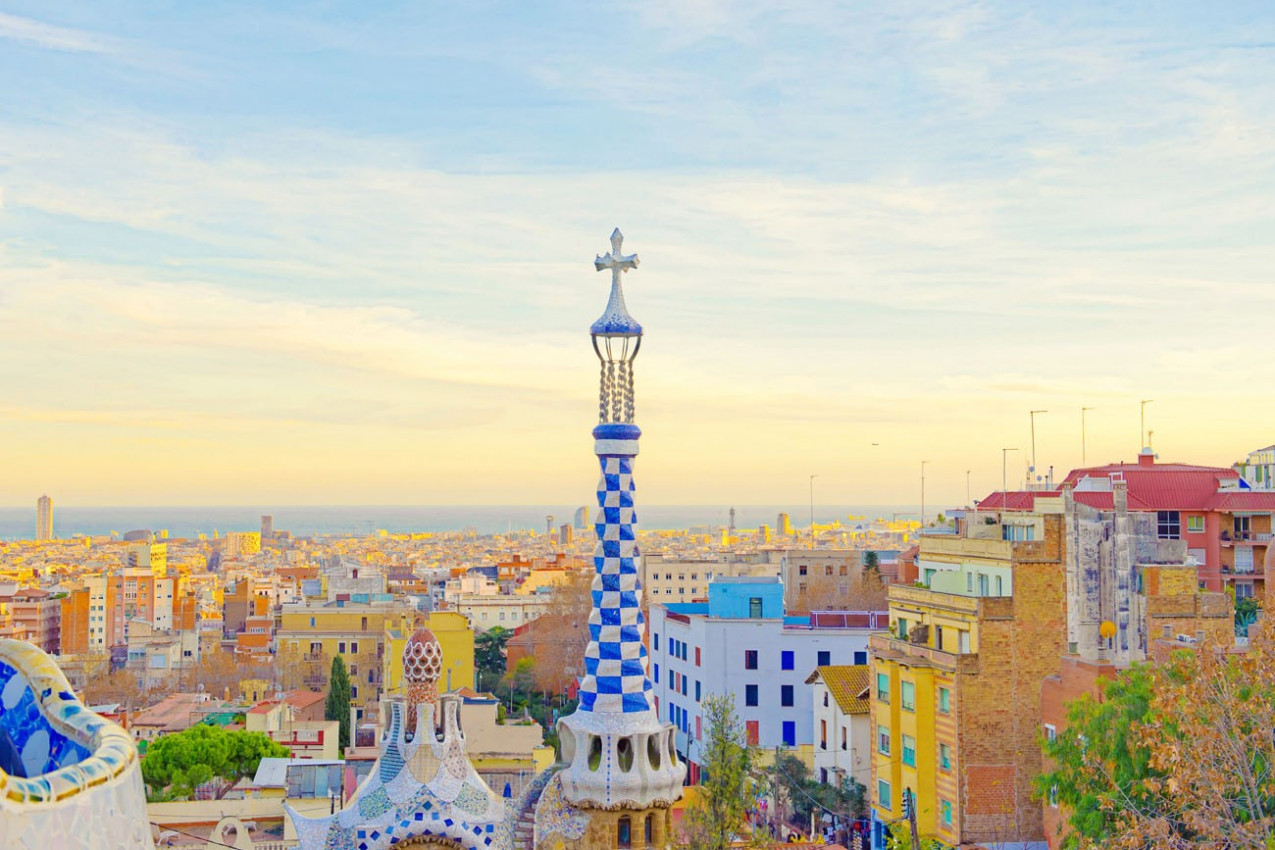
column 848, row 684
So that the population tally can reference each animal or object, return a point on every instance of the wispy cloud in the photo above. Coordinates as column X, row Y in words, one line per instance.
column 49, row 37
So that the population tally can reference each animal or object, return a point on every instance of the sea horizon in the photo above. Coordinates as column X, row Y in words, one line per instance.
column 188, row 521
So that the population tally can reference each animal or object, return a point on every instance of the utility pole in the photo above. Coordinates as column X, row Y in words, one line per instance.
column 1083, row 411
column 1142, row 428
column 909, row 803
column 923, row 463
column 967, row 488
column 1033, row 469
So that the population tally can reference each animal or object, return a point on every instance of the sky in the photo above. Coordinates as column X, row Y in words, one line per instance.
column 341, row 252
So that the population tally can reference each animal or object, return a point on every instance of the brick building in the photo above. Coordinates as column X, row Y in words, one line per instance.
column 1225, row 524
column 955, row 685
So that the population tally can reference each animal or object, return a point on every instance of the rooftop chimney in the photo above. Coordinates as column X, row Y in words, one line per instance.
column 1146, row 457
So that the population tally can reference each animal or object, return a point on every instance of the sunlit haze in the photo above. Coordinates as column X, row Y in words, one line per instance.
column 275, row 255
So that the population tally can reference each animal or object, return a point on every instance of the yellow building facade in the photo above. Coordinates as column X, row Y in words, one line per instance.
column 955, row 686
column 370, row 640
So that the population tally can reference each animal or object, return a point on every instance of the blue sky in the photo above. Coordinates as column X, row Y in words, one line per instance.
column 341, row 252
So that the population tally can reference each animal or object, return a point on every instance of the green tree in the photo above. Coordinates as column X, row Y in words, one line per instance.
column 521, row 682
column 727, row 788
column 871, row 560
column 175, row 764
column 794, row 785
column 489, row 657
column 1100, row 764
column 337, row 706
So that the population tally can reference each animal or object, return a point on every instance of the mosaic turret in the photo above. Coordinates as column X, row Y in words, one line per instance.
column 616, row 751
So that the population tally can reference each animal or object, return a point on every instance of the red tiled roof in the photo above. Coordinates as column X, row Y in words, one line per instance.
column 1151, row 487
column 303, row 699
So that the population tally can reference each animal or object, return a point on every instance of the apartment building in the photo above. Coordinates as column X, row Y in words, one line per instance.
column 842, row 724
column 955, row 690
column 741, row 643
column 671, row 579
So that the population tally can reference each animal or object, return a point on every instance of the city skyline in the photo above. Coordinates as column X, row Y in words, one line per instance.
column 273, row 258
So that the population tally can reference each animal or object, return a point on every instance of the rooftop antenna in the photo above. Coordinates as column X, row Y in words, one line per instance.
column 1143, row 426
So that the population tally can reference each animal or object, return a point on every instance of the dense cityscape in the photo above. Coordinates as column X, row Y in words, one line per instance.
column 874, row 559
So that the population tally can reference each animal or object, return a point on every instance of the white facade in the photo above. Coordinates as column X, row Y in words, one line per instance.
column 842, row 739
column 762, row 663
column 507, row 611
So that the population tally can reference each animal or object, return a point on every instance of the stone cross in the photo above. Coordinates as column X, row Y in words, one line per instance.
column 616, row 261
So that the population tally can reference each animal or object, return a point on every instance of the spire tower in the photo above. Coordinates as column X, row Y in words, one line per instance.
column 618, row 753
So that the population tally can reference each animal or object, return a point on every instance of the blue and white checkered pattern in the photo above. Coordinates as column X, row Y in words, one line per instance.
column 615, row 662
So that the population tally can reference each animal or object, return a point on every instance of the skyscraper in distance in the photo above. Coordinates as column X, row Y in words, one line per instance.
column 44, row 518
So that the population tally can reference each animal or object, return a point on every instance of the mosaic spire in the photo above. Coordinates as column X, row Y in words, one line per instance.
column 618, row 751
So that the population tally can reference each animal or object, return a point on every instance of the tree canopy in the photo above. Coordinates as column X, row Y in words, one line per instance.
column 727, row 789
column 337, row 706
column 175, row 764
column 1180, row 755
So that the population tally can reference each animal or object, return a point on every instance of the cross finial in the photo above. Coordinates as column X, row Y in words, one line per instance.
column 616, row 261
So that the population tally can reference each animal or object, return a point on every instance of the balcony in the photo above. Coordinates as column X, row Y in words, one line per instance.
column 886, row 647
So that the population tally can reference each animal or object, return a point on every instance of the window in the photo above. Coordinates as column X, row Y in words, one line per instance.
column 823, row 734
column 1244, row 590
column 684, row 681
column 697, row 690
column 790, row 733
column 1195, row 525
column 786, row 661
column 340, row 647
column 1000, row 587
column 354, row 647
column 354, row 691
column 902, row 626
column 750, row 695
column 907, row 696
column 785, row 696
column 945, row 757
column 945, row 700
column 1051, row 732
column 825, row 699
column 969, row 582
column 883, row 687
column 697, row 656
column 751, row 730
column 754, row 608
column 909, row 751
column 843, row 737
column 750, row 659
column 624, row 836
column 860, row 657
column 801, row 570
column 657, row 643
column 963, row 641
column 883, row 740
column 363, row 626
column 825, row 658
column 883, row 794
column 657, row 674
column 312, row 622
column 1243, row 527
column 1168, row 525
column 945, row 808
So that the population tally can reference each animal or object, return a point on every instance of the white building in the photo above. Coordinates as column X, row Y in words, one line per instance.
column 740, row 643
column 504, row 610
column 841, row 724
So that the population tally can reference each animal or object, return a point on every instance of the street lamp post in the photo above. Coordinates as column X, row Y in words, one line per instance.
column 923, row 463
column 1004, row 478
column 1033, row 469
column 812, row 509
column 1083, row 411
column 967, row 488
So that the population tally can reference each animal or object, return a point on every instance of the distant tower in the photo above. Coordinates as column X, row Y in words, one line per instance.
column 732, row 521
column 565, row 535
column 549, row 525
column 783, row 526
column 621, row 764
column 267, row 526
column 44, row 518
column 582, row 518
